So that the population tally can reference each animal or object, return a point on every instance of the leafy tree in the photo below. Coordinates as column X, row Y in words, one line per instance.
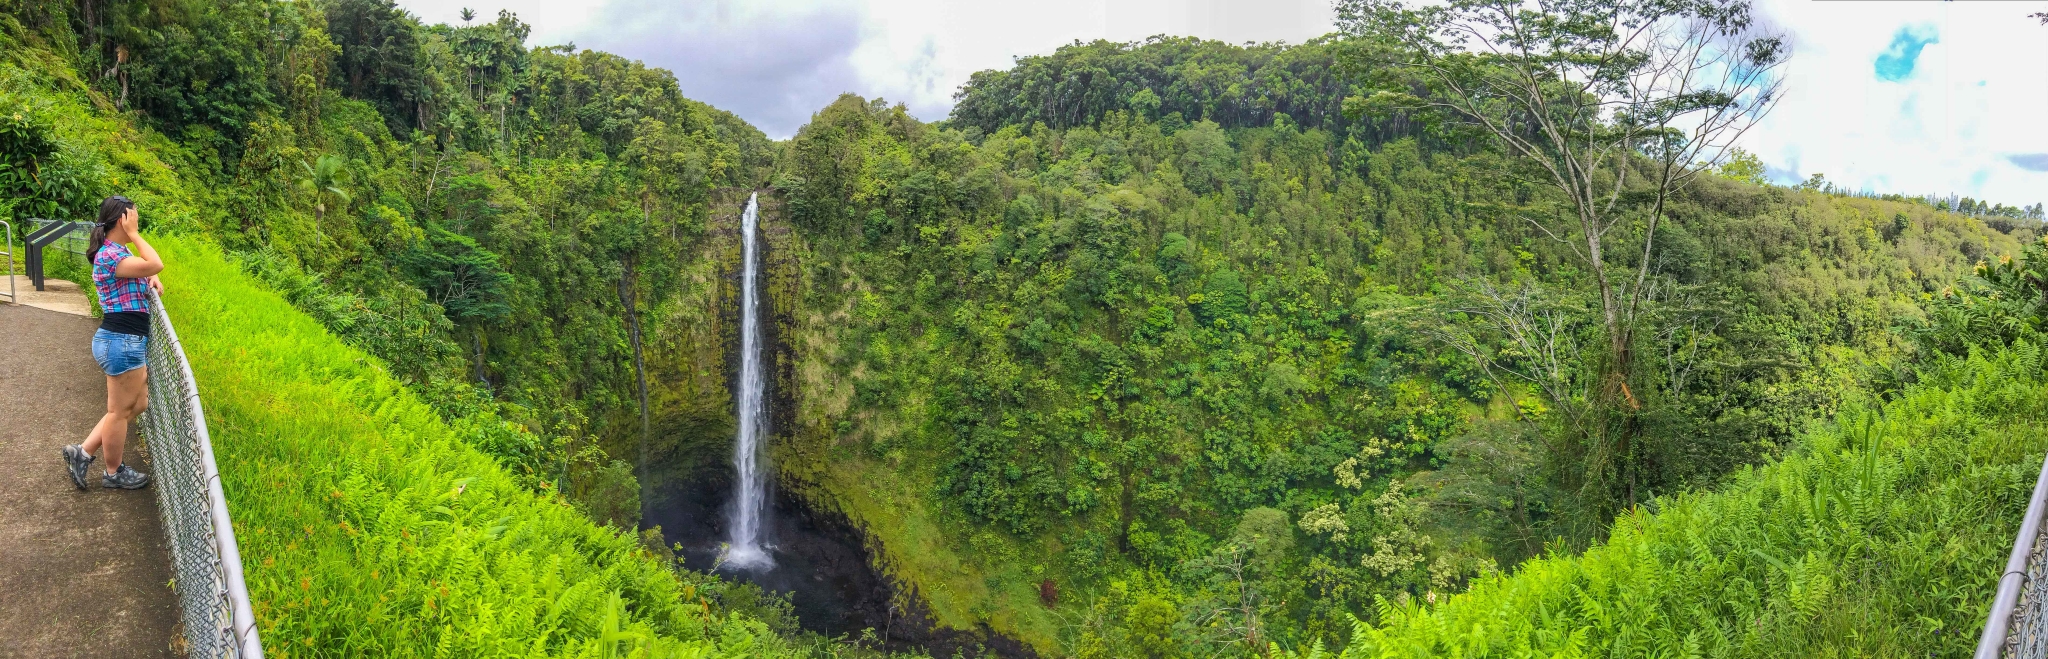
column 36, row 177
column 323, row 180
column 380, row 60
column 459, row 275
column 1234, row 86
column 200, row 65
column 1593, row 96
column 1743, row 166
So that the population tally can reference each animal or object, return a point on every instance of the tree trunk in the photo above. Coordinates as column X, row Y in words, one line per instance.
column 477, row 340
column 1614, row 395
column 1126, row 501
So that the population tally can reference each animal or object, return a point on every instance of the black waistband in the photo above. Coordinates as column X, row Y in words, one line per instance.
column 126, row 322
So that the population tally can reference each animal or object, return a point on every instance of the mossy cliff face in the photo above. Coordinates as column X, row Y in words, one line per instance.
column 692, row 345
column 841, row 499
column 822, row 453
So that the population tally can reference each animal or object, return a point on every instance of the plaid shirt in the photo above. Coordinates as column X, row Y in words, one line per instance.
column 118, row 293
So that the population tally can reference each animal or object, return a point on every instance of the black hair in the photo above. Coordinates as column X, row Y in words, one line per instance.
column 111, row 211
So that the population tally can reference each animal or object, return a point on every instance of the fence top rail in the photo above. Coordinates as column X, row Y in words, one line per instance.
column 2003, row 606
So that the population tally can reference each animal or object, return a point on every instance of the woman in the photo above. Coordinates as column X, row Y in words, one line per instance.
column 121, row 346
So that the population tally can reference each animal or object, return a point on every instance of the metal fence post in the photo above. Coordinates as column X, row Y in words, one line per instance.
column 9, row 244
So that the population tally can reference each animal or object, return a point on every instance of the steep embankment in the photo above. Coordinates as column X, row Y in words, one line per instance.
column 1882, row 536
column 371, row 529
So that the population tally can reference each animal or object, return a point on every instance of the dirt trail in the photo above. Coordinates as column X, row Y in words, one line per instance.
column 82, row 574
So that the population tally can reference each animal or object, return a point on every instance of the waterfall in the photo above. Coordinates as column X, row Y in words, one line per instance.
column 750, row 494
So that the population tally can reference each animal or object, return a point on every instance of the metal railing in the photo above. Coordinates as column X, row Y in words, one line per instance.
column 2018, row 626
column 65, row 236
column 205, row 559
column 72, row 241
column 9, row 246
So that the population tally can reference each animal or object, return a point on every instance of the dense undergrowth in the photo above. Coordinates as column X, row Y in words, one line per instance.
column 1164, row 349
column 372, row 528
column 1201, row 383
column 1881, row 535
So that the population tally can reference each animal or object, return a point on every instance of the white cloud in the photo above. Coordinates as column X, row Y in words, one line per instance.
column 923, row 50
column 1965, row 121
column 1954, row 125
column 916, row 52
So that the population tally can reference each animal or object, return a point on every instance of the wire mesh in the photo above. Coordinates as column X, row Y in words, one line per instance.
column 2029, row 636
column 205, row 561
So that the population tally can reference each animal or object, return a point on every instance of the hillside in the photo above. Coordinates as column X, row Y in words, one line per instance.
column 1170, row 348
column 371, row 521
column 1880, row 535
column 372, row 528
column 499, row 260
column 1110, row 358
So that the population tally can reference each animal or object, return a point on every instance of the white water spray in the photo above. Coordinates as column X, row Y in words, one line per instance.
column 750, row 495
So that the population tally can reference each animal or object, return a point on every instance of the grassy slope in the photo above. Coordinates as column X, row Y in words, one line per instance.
column 370, row 529
column 970, row 575
column 1836, row 551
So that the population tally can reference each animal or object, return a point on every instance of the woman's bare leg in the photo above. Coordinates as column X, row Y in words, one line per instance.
column 92, row 439
column 127, row 396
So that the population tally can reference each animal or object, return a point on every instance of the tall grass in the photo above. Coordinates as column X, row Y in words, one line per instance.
column 369, row 529
column 1882, row 537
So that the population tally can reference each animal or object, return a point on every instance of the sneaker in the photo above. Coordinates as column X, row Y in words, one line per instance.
column 76, row 459
column 125, row 479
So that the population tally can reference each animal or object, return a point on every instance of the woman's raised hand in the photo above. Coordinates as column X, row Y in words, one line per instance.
column 144, row 262
column 131, row 225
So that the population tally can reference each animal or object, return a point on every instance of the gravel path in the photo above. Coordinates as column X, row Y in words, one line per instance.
column 82, row 574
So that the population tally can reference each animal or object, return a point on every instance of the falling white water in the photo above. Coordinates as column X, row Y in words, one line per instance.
column 750, row 496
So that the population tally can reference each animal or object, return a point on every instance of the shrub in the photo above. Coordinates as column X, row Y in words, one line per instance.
column 1881, row 537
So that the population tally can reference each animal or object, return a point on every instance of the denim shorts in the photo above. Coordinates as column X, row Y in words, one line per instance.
column 119, row 353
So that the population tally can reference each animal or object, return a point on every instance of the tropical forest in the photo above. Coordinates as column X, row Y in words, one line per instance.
column 1471, row 328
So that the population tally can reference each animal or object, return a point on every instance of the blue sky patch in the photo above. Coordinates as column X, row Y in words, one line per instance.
column 2033, row 162
column 1897, row 60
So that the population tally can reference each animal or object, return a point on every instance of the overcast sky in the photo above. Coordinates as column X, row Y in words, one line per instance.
column 1911, row 97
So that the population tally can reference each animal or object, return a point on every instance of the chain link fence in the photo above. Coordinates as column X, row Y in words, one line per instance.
column 2018, row 625
column 2029, row 636
column 208, row 566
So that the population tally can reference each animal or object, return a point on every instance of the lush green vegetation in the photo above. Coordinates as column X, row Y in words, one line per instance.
column 385, row 506
column 373, row 529
column 1236, row 87
column 490, row 220
column 1880, row 535
column 1124, row 356
column 1170, row 348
